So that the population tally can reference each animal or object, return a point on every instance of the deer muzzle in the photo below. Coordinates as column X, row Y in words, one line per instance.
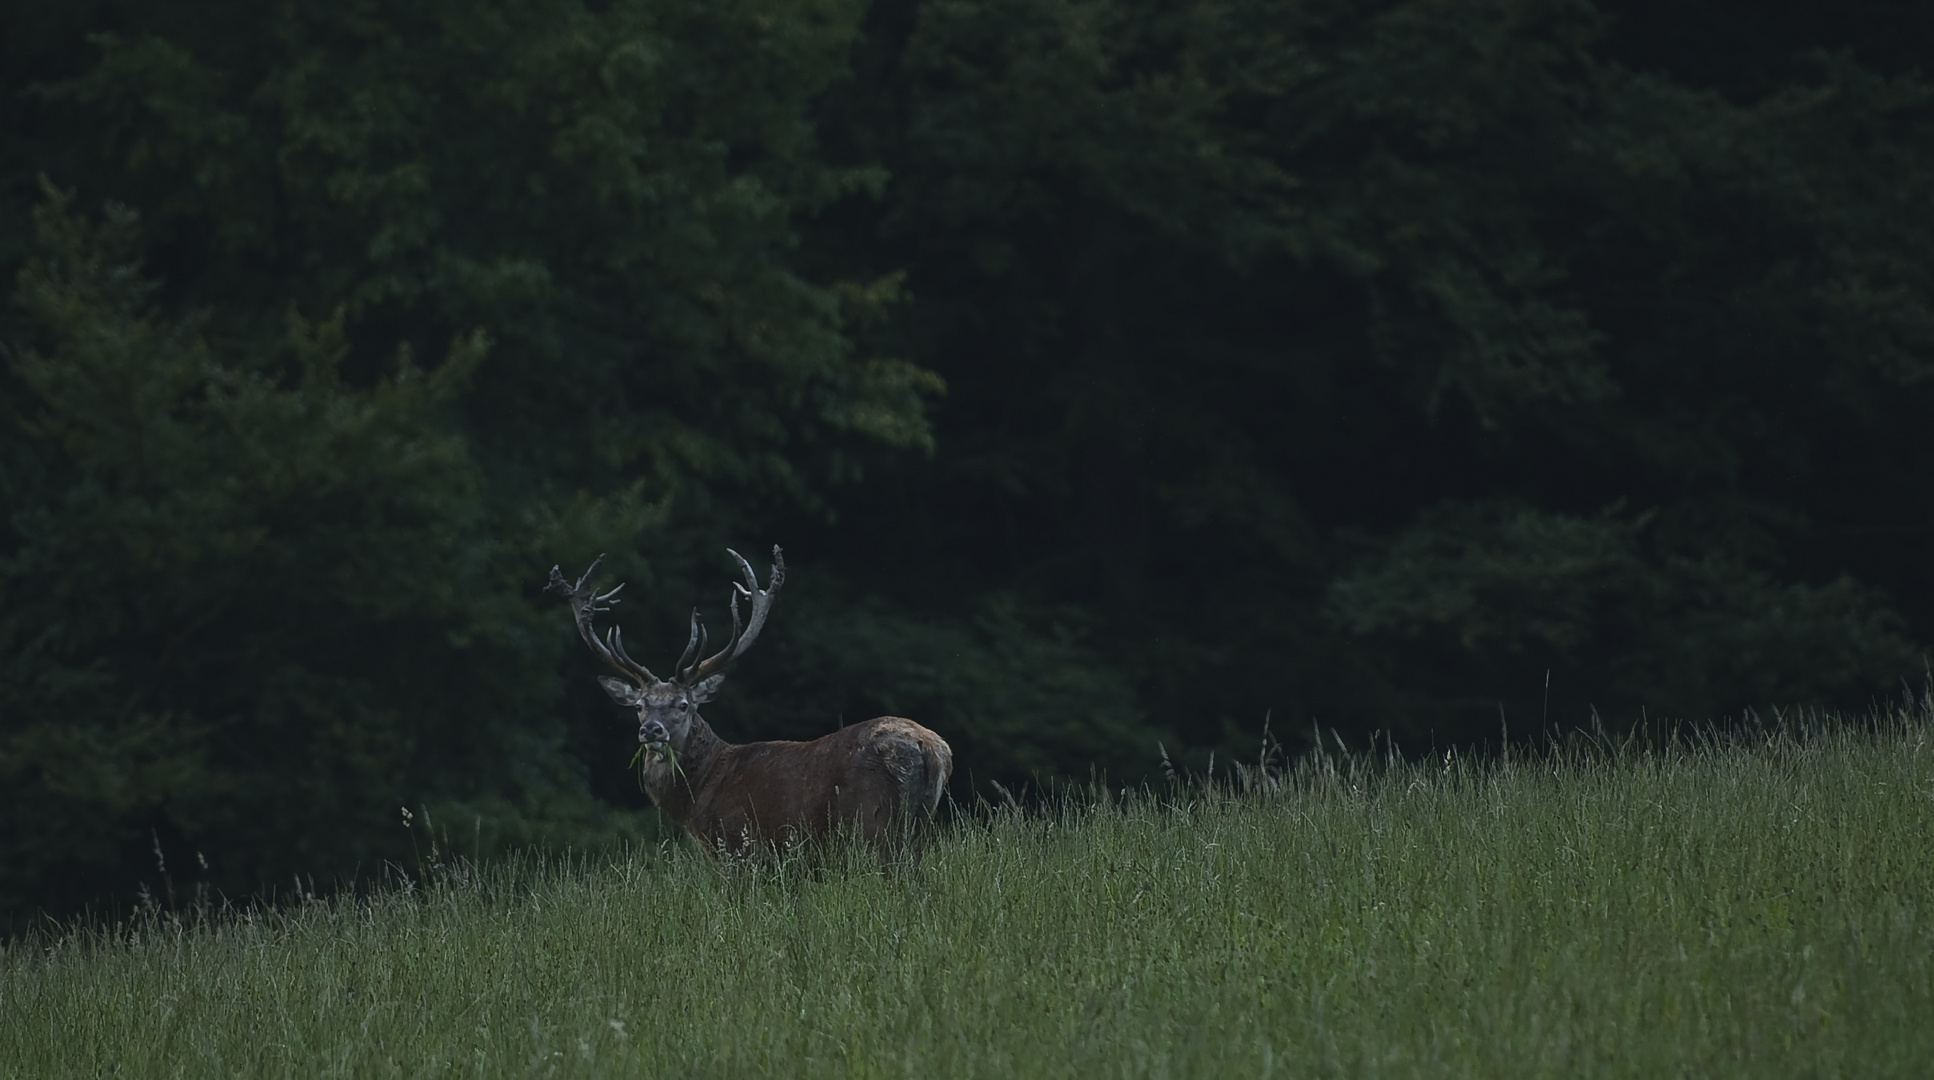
column 652, row 731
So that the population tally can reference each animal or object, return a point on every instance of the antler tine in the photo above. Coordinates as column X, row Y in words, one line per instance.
column 778, row 569
column 738, row 628
column 618, row 647
column 693, row 647
column 743, row 634
column 557, row 585
column 585, row 604
column 751, row 579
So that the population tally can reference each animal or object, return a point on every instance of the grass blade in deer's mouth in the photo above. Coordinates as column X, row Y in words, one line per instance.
column 658, row 750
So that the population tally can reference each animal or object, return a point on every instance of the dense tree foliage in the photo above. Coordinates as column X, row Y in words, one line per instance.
column 1369, row 361
column 1114, row 372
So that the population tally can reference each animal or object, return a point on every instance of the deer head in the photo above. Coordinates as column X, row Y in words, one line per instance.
column 667, row 708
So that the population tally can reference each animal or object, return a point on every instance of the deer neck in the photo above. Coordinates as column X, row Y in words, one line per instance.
column 674, row 785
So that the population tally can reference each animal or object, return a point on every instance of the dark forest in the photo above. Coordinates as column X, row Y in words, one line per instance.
column 1116, row 374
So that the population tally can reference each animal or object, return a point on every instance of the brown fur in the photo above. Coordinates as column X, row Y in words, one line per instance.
column 883, row 779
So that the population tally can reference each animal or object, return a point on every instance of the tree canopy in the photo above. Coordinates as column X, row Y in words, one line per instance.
column 1115, row 373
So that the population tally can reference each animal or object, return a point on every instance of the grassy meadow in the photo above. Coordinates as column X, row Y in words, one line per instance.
column 1759, row 906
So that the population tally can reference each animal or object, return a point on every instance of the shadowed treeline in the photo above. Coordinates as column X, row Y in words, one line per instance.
column 1112, row 371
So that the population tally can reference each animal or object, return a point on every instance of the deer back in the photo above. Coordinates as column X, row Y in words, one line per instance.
column 882, row 779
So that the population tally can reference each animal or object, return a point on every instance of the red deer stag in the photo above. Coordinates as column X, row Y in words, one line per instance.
column 882, row 778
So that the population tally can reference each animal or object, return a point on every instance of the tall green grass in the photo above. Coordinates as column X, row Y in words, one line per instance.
column 1745, row 908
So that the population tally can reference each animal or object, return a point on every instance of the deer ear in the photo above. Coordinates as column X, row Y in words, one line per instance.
column 621, row 691
column 707, row 689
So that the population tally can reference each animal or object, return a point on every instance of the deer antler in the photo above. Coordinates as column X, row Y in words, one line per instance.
column 743, row 634
column 693, row 647
column 585, row 606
